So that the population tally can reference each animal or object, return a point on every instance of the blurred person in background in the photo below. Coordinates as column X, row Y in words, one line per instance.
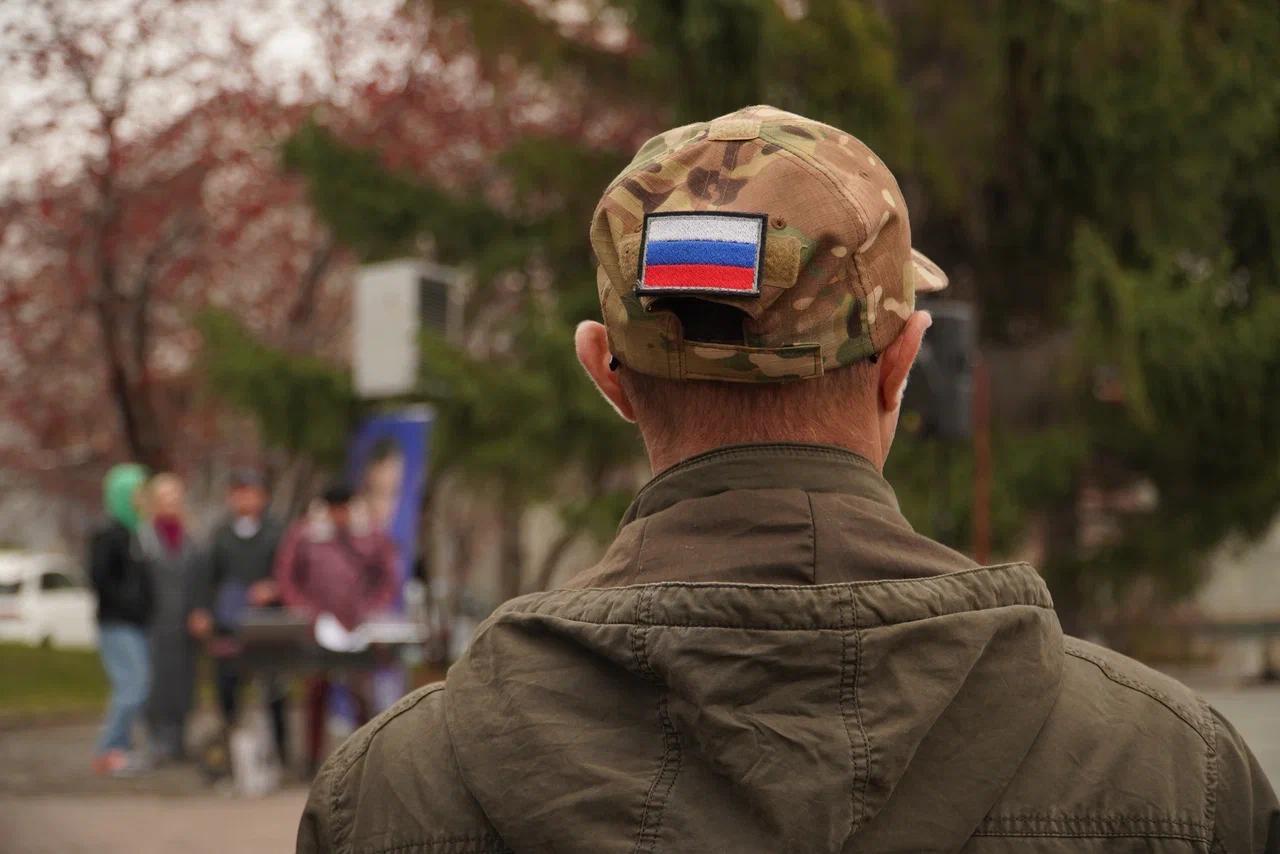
column 382, row 482
column 172, row 558
column 768, row 657
column 333, row 561
column 123, row 585
column 237, row 574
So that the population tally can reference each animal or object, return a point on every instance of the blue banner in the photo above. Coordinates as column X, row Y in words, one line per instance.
column 387, row 468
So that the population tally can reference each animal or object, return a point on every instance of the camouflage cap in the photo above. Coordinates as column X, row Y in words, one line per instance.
column 799, row 226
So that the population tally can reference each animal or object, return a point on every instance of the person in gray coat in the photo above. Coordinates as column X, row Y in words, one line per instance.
column 236, row 575
column 172, row 560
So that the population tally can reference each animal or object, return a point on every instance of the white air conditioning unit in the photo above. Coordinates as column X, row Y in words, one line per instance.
column 393, row 302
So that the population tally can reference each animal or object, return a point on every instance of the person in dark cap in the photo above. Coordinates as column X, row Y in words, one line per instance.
column 237, row 575
column 335, row 562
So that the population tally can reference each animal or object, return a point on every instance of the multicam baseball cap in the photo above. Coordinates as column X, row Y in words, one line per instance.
column 795, row 224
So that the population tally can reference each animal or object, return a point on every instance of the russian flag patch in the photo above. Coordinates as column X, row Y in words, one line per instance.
column 701, row 253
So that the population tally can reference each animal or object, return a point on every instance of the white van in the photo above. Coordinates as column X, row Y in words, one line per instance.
column 44, row 600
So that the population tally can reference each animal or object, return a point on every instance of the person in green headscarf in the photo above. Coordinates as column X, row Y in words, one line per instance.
column 125, row 606
column 120, row 493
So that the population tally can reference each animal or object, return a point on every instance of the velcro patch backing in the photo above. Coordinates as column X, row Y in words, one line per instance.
column 726, row 128
column 718, row 253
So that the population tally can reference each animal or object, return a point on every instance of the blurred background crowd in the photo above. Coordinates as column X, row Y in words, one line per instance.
column 164, row 597
column 277, row 241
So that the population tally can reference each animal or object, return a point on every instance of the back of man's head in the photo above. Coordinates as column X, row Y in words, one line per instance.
column 695, row 415
column 758, row 284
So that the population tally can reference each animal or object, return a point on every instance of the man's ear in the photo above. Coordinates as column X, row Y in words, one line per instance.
column 897, row 359
column 591, row 342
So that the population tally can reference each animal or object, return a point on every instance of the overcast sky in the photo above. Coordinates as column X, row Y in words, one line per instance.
column 287, row 48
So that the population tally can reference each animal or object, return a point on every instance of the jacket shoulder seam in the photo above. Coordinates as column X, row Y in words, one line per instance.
column 342, row 767
column 664, row 779
column 470, row 844
column 849, row 686
column 834, row 626
column 813, row 539
column 1074, row 650
column 1087, row 825
column 405, row 705
column 1211, row 781
column 637, row 559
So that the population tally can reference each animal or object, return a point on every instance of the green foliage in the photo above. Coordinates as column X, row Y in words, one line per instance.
column 301, row 404
column 1161, row 129
column 934, row 481
column 381, row 213
column 556, row 184
column 378, row 211
column 42, row 680
column 1200, row 356
column 519, row 429
column 505, row 30
column 523, row 420
column 1112, row 169
column 838, row 65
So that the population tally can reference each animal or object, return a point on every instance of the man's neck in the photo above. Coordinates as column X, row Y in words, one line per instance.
column 664, row 457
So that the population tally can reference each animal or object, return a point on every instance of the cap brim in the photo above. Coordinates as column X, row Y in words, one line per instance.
column 929, row 276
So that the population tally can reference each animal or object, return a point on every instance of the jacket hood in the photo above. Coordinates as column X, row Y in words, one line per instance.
column 751, row 718
column 119, row 491
column 728, row 716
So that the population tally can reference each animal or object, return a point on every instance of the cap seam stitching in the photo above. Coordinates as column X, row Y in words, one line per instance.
column 815, row 168
column 634, row 167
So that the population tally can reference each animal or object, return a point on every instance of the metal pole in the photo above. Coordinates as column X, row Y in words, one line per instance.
column 981, row 461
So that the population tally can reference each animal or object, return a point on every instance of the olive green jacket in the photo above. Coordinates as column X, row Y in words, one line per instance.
column 769, row 659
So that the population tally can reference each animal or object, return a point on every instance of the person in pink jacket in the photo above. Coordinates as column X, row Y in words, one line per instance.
column 328, row 563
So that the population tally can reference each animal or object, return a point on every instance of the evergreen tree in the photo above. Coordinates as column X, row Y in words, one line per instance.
column 1107, row 171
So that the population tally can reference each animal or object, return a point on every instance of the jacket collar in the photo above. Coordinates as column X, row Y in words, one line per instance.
column 809, row 468
column 768, row 514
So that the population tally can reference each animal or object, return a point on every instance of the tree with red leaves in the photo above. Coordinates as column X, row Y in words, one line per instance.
column 142, row 185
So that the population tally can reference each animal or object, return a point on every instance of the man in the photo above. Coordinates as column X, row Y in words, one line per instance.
column 125, row 606
column 768, row 658
column 237, row 575
column 334, row 564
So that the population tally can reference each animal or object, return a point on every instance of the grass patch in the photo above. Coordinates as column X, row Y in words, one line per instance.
column 39, row 679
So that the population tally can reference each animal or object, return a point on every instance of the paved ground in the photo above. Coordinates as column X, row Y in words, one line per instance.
column 148, row 824
column 49, row 802
column 54, row 760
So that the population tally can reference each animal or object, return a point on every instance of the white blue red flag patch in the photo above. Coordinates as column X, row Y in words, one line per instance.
column 701, row 253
